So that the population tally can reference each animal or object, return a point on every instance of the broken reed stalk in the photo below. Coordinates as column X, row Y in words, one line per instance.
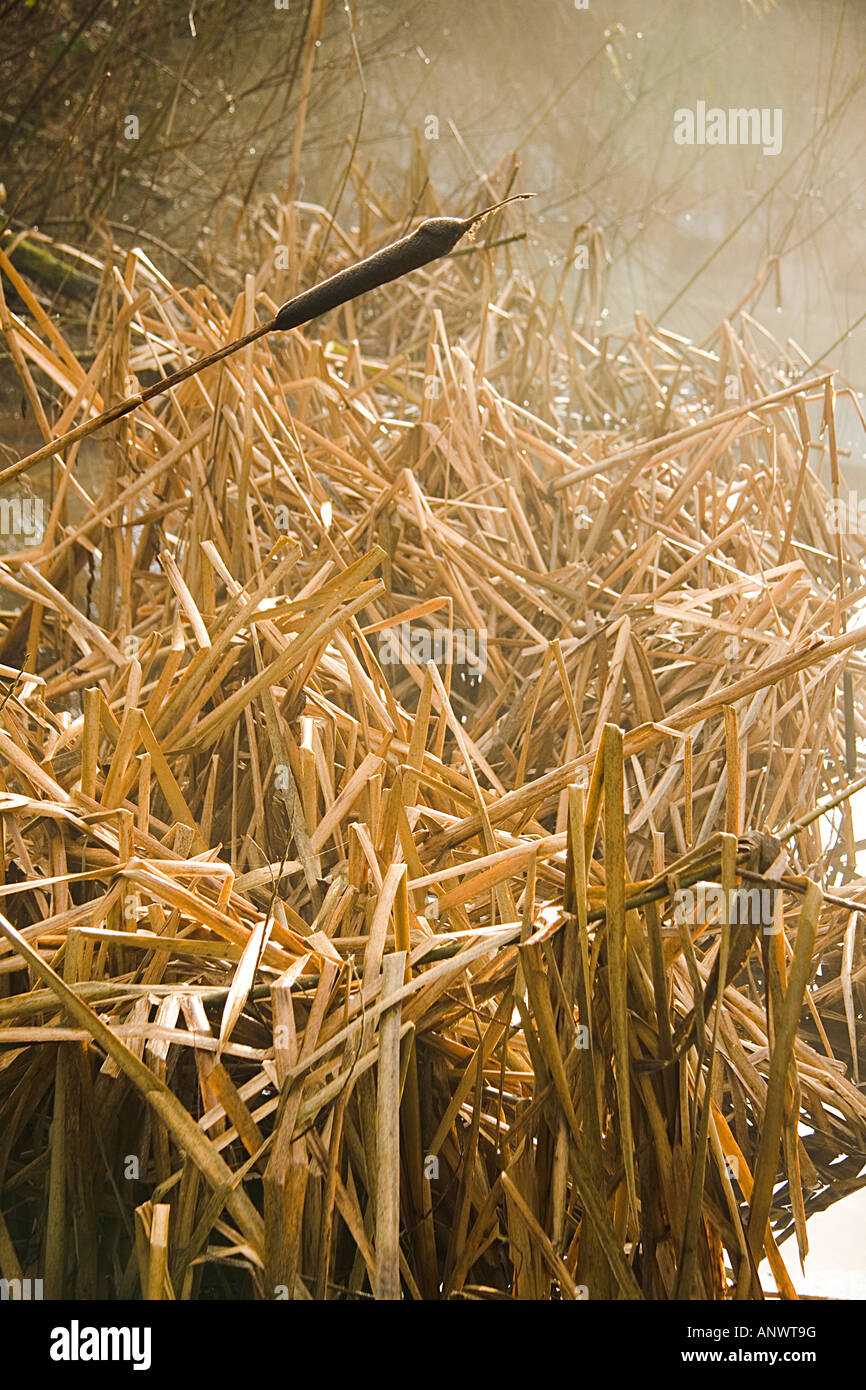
column 388, row 1135
column 435, row 237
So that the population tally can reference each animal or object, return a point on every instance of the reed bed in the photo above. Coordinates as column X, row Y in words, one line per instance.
column 324, row 975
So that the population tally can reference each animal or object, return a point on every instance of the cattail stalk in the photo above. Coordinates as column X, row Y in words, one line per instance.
column 433, row 239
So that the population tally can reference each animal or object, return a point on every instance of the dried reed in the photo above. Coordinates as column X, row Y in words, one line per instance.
column 326, row 976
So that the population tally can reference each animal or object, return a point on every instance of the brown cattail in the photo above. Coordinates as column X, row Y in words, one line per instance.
column 434, row 238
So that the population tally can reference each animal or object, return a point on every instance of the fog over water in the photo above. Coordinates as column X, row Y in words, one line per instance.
column 587, row 99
